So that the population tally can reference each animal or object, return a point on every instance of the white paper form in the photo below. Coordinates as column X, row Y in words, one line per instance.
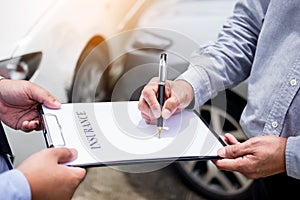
column 114, row 133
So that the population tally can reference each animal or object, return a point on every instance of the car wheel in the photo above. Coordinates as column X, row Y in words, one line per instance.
column 90, row 77
column 203, row 176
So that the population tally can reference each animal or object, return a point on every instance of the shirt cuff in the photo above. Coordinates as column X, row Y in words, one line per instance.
column 292, row 158
column 199, row 80
column 14, row 185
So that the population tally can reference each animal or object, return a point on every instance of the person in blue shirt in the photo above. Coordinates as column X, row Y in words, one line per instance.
column 259, row 42
column 41, row 176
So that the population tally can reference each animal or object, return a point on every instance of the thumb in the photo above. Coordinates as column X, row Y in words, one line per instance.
column 231, row 151
column 63, row 155
column 41, row 95
column 170, row 107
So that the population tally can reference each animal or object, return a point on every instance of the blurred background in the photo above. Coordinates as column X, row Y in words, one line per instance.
column 107, row 50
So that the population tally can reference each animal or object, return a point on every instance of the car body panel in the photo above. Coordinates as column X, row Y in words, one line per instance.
column 17, row 18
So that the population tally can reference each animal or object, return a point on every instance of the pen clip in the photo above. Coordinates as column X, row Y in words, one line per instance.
column 162, row 72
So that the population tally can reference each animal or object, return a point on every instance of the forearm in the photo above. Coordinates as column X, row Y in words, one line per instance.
column 228, row 61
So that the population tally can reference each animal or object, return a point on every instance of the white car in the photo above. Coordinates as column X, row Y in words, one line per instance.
column 50, row 42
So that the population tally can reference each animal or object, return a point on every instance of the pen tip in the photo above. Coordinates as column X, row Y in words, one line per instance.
column 159, row 129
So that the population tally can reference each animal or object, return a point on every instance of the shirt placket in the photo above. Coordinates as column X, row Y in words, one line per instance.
column 285, row 96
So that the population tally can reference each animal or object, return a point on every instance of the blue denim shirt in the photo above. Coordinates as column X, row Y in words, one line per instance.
column 261, row 42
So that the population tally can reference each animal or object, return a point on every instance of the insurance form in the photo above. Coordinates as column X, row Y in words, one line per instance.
column 114, row 133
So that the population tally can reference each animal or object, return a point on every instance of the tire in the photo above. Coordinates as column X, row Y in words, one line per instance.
column 203, row 176
column 90, row 78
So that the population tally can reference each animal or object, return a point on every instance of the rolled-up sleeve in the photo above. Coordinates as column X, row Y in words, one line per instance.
column 223, row 64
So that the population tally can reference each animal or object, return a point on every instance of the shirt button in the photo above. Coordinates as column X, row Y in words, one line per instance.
column 293, row 82
column 274, row 124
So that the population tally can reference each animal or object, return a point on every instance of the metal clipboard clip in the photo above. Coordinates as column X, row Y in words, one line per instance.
column 51, row 129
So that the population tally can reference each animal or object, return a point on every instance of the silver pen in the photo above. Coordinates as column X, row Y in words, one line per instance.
column 161, row 88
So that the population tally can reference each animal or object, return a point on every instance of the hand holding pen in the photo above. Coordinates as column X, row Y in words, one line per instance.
column 177, row 96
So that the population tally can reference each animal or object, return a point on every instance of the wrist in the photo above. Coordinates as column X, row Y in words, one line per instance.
column 189, row 93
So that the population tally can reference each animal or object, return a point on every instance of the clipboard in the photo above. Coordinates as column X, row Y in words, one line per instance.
column 113, row 133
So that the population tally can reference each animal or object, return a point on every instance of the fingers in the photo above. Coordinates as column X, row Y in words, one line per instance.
column 148, row 119
column 150, row 107
column 41, row 95
column 234, row 151
column 230, row 139
column 28, row 126
column 234, row 156
column 230, row 164
column 230, row 151
column 178, row 95
column 148, row 103
column 172, row 103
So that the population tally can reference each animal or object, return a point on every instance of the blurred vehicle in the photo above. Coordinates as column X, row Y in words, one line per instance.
column 49, row 42
column 179, row 28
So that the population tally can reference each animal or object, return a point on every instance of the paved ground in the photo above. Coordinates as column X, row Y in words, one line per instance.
column 112, row 184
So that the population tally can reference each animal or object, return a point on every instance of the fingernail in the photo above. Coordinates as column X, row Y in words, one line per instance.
column 74, row 152
column 166, row 114
column 222, row 152
column 57, row 103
